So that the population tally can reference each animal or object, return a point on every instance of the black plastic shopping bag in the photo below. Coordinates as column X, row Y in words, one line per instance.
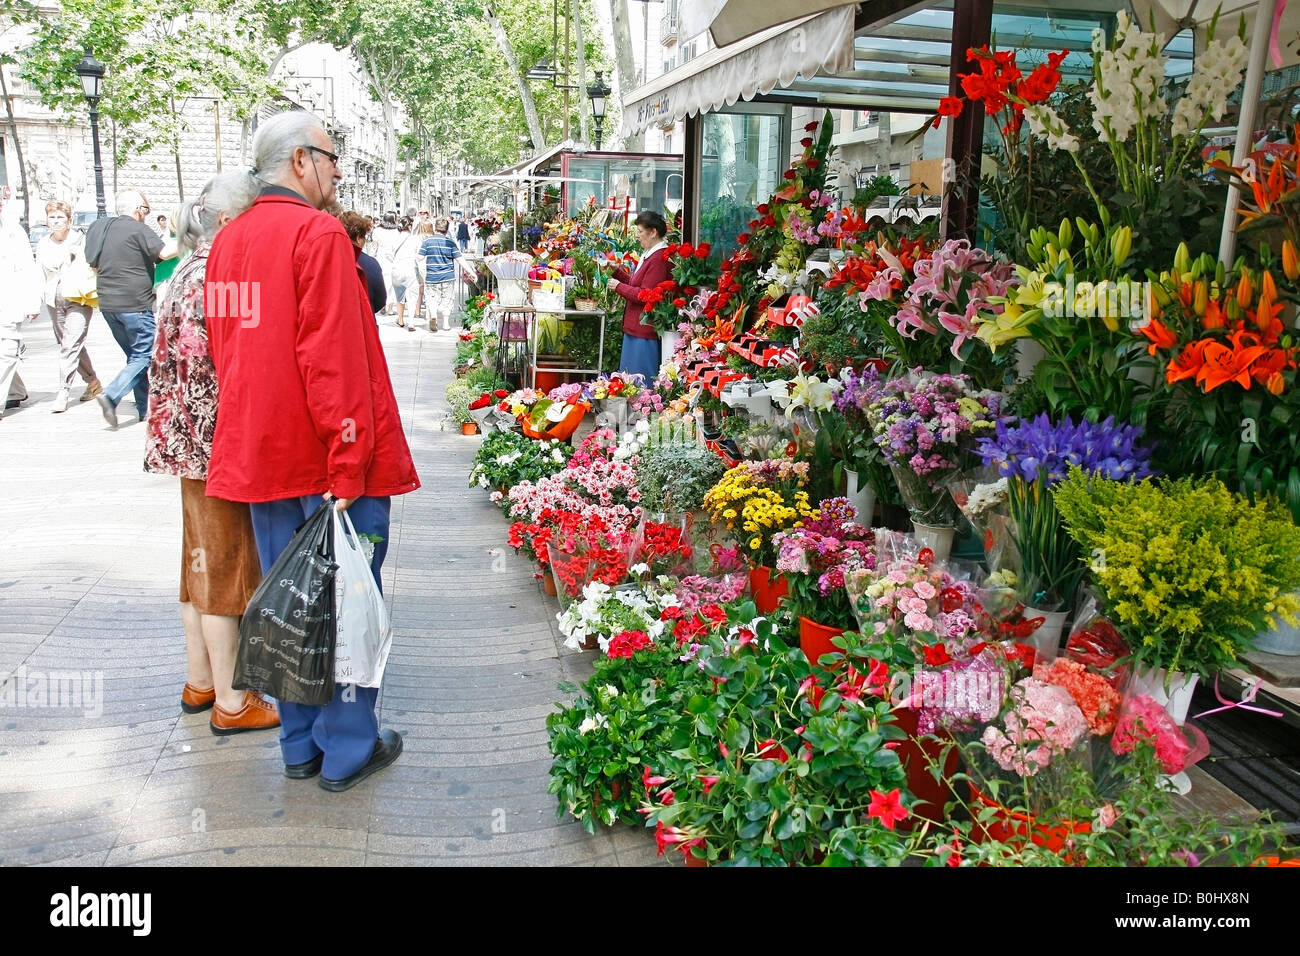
column 286, row 637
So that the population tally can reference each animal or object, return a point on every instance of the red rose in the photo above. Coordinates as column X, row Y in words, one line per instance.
column 806, row 142
column 789, row 174
column 702, row 251
column 810, row 127
column 501, row 393
column 679, row 303
column 813, row 162
column 763, row 209
column 743, row 238
column 686, row 250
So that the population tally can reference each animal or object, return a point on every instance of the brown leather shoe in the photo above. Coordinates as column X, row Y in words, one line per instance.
column 91, row 391
column 195, row 701
column 258, row 713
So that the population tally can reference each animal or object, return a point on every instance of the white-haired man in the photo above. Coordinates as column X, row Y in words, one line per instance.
column 20, row 280
column 124, row 251
column 305, row 404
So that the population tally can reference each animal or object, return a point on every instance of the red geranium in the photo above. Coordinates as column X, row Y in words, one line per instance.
column 627, row 643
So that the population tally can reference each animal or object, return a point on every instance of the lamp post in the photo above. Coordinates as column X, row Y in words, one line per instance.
column 598, row 92
column 91, row 72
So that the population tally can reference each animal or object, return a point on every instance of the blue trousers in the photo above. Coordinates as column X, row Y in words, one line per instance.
column 134, row 332
column 346, row 728
column 640, row 355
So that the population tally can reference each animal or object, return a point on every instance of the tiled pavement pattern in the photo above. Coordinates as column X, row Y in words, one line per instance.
column 89, row 551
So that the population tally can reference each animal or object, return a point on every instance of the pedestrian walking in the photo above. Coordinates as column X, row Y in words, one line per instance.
column 219, row 565
column 640, row 340
column 305, row 406
column 359, row 228
column 387, row 238
column 20, row 301
column 462, row 232
column 440, row 255
column 56, row 254
column 408, row 274
column 124, row 251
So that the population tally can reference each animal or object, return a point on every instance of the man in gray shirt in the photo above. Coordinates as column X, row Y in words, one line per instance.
column 124, row 251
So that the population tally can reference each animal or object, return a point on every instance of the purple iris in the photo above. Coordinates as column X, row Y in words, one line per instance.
column 1028, row 448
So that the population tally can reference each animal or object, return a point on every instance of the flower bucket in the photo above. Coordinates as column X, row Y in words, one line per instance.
column 563, row 429
column 815, row 639
column 1283, row 640
column 668, row 345
column 512, row 292
column 1176, row 700
column 917, row 754
column 546, row 381
column 862, row 497
column 1047, row 639
column 768, row 588
column 938, row 538
column 469, row 428
column 1011, row 828
column 548, row 583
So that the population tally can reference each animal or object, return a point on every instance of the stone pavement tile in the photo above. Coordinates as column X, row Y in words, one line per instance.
column 52, row 847
column 255, row 847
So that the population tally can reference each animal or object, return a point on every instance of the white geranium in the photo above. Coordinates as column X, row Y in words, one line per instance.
column 482, row 481
column 610, row 690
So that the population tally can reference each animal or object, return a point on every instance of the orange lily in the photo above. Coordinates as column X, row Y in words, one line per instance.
column 1223, row 364
column 1160, row 335
column 1188, row 363
column 1213, row 318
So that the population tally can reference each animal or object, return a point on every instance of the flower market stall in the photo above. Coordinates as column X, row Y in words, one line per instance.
column 918, row 549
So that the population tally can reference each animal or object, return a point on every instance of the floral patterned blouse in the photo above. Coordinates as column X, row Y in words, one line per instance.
column 182, row 379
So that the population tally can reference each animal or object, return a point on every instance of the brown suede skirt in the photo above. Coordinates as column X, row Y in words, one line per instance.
column 219, row 564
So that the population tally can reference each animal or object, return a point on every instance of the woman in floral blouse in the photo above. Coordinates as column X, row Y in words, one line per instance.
column 219, row 564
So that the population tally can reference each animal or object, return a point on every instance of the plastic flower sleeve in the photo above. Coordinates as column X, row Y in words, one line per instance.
column 1095, row 643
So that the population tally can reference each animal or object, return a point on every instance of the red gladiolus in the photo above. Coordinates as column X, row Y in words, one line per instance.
column 887, row 808
column 950, row 106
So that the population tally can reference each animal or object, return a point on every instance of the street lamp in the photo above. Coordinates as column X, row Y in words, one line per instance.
column 91, row 72
column 598, row 92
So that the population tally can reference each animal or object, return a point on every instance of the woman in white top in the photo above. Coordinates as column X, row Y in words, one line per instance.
column 54, row 253
column 405, row 271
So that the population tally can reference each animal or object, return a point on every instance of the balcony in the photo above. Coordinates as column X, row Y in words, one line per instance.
column 668, row 27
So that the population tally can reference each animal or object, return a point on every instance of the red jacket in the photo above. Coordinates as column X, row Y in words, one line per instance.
column 652, row 271
column 305, row 403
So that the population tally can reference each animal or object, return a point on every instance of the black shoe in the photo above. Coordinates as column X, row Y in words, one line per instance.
column 387, row 747
column 304, row 771
column 14, row 402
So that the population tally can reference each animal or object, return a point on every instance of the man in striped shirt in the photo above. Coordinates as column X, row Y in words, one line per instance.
column 440, row 253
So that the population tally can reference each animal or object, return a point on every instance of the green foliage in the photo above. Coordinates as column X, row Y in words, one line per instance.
column 1187, row 571
column 506, row 459
column 876, row 187
column 675, row 476
column 459, row 394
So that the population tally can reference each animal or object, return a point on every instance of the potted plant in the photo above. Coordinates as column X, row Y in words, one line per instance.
column 506, row 459
column 675, row 476
column 815, row 559
column 1033, row 456
column 753, row 502
column 926, row 427
column 460, row 394
column 1187, row 572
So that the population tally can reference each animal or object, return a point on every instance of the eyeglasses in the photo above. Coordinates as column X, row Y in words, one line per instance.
column 333, row 157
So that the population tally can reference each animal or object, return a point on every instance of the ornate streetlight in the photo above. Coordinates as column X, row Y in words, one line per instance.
column 598, row 92
column 91, row 72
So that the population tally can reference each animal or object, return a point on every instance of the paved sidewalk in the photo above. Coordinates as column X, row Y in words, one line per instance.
column 89, row 555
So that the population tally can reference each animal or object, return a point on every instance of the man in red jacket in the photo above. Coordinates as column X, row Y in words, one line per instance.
column 305, row 404
column 640, row 340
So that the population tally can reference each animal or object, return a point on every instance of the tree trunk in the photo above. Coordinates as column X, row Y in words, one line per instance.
column 18, row 150
column 383, row 86
column 176, row 154
column 584, row 127
column 525, row 93
column 626, row 65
